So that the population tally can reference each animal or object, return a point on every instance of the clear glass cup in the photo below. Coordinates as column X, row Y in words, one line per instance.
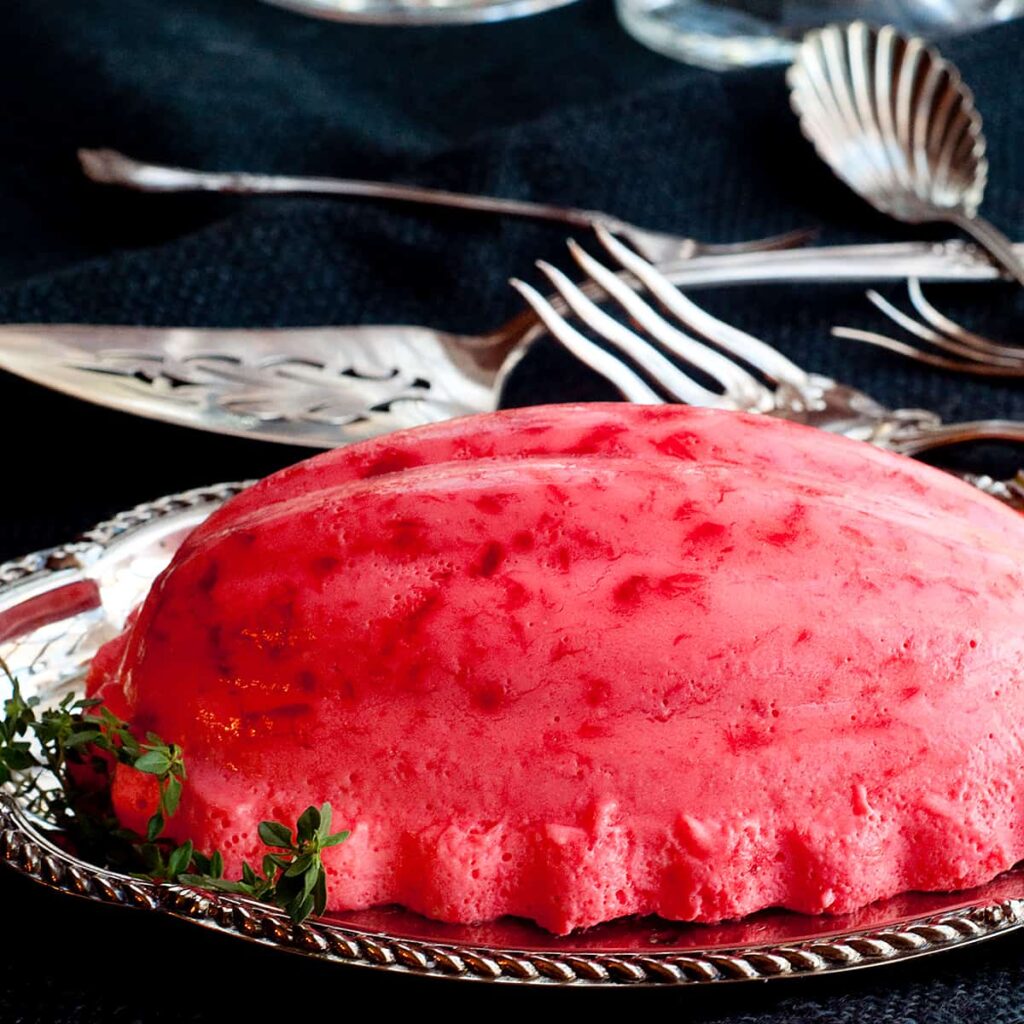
column 735, row 33
column 419, row 12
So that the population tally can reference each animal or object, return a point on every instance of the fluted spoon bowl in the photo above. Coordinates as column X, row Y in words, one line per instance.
column 895, row 121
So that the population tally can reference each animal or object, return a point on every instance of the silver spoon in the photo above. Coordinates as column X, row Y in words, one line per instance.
column 896, row 122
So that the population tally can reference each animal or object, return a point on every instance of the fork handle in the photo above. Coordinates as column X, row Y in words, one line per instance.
column 109, row 167
column 915, row 439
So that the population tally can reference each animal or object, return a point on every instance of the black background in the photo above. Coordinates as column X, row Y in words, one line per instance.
column 561, row 107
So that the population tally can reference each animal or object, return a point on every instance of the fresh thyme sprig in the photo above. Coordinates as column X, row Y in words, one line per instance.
column 82, row 733
column 166, row 763
column 294, row 878
column 15, row 749
column 61, row 734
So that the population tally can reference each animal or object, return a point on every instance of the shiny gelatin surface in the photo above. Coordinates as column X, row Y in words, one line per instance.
column 575, row 662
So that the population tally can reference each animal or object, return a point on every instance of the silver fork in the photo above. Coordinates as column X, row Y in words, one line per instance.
column 975, row 354
column 749, row 374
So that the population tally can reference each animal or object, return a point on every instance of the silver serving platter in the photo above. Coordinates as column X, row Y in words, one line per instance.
column 57, row 606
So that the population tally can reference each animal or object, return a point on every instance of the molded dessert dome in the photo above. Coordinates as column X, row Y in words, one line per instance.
column 576, row 662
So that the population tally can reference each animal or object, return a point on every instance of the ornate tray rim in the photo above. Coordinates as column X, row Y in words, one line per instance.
column 26, row 847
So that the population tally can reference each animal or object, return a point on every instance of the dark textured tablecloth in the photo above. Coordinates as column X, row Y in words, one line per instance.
column 561, row 107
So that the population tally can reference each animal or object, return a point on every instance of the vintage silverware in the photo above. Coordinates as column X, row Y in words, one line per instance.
column 319, row 387
column 109, row 167
column 1010, row 492
column 328, row 386
column 668, row 356
column 898, row 125
column 713, row 265
column 975, row 354
column 57, row 606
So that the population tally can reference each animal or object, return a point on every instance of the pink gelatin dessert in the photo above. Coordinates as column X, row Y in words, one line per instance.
column 576, row 662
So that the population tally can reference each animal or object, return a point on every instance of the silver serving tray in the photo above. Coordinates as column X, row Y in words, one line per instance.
column 57, row 606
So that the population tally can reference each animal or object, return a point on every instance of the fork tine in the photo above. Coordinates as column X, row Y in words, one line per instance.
column 630, row 385
column 954, row 330
column 933, row 337
column 740, row 386
column 775, row 366
column 975, row 368
column 671, row 378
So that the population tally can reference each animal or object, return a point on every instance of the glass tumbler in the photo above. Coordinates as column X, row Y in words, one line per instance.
column 419, row 12
column 735, row 33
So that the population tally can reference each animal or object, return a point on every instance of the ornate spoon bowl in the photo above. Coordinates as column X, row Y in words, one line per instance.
column 896, row 123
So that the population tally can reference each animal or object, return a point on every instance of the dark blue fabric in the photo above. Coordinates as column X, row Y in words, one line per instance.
column 561, row 107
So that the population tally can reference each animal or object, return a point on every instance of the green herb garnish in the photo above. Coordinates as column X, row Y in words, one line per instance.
column 293, row 878
column 39, row 744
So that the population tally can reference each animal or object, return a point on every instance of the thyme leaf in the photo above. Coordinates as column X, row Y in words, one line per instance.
column 82, row 733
